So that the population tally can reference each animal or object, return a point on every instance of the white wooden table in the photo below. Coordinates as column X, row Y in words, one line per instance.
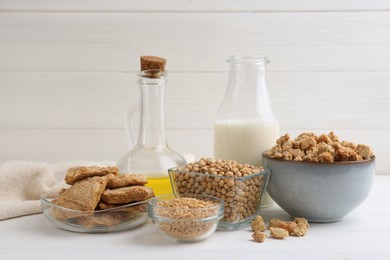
column 363, row 234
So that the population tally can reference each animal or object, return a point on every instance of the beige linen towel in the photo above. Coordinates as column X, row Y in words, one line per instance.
column 22, row 183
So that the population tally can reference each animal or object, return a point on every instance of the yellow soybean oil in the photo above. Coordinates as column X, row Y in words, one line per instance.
column 160, row 185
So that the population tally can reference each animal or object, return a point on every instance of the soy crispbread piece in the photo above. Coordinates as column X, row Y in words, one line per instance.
column 78, row 173
column 127, row 194
column 133, row 209
column 103, row 205
column 124, row 180
column 82, row 196
column 105, row 220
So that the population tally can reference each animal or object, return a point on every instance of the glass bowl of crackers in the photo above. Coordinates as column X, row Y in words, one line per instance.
column 97, row 221
column 99, row 199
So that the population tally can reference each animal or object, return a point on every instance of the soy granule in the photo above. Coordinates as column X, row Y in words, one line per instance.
column 302, row 227
column 259, row 236
column 278, row 233
column 258, row 224
column 185, row 212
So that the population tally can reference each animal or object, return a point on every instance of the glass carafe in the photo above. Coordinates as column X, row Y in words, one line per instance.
column 150, row 154
column 245, row 125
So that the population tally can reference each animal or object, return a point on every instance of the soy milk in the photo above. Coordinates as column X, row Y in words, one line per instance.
column 244, row 140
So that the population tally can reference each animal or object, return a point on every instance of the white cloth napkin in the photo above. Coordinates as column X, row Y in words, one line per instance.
column 22, row 184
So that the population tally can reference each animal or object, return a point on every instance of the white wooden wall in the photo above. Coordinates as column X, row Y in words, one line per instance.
column 68, row 69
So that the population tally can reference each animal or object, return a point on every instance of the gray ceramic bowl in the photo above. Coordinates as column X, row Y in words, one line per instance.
column 319, row 192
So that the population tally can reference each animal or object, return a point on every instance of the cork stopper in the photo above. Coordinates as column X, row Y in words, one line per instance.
column 152, row 63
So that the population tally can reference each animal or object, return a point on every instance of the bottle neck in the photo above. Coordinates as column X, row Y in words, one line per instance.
column 246, row 95
column 152, row 125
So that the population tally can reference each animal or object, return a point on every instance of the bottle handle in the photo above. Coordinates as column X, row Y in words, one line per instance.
column 130, row 124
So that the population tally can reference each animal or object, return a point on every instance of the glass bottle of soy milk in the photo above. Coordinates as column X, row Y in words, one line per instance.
column 245, row 124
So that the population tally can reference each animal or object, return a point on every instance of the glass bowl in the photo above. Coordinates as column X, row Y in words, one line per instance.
column 99, row 221
column 241, row 195
column 181, row 223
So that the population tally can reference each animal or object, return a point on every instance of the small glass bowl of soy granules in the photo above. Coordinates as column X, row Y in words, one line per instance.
column 186, row 217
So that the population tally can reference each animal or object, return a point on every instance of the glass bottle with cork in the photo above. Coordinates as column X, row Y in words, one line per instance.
column 150, row 154
column 246, row 125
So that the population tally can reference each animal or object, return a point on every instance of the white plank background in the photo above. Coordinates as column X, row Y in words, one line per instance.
column 68, row 69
